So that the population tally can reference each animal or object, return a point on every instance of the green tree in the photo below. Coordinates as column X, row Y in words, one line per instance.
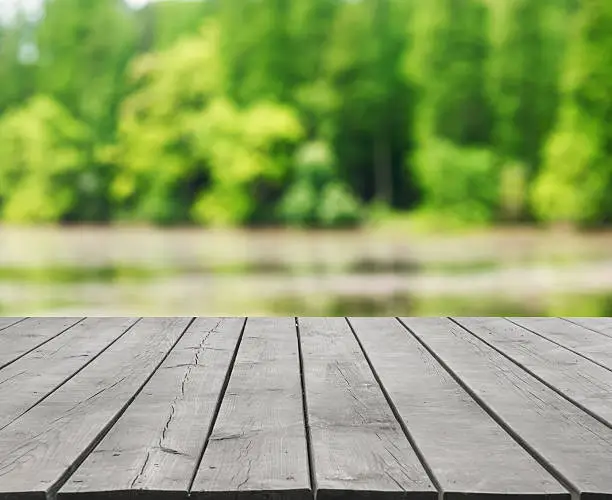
column 246, row 111
column 362, row 66
column 84, row 49
column 527, row 47
column 17, row 55
column 164, row 23
column 575, row 184
column 447, row 61
column 188, row 153
column 43, row 162
column 256, row 49
column 317, row 196
column 159, row 174
column 273, row 48
column 247, row 152
column 461, row 182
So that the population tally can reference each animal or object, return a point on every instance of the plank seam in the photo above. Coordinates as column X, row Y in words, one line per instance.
column 41, row 344
column 13, row 324
column 52, row 492
column 213, row 421
column 520, row 441
column 586, row 327
column 398, row 417
column 70, row 377
column 309, row 449
column 537, row 377
column 560, row 345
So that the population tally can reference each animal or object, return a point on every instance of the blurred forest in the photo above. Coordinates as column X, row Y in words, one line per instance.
column 306, row 112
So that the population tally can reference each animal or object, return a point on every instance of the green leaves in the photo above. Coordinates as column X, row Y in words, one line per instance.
column 304, row 111
column 338, row 207
column 241, row 148
column 527, row 45
column 458, row 181
column 317, row 197
column 576, row 178
column 181, row 139
column 575, row 184
column 43, row 159
column 156, row 154
column 84, row 48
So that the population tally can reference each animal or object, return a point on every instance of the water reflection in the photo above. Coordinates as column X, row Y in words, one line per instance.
column 89, row 271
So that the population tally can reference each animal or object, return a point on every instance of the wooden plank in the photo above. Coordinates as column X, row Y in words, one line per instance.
column 258, row 445
column 5, row 322
column 465, row 449
column 20, row 338
column 587, row 343
column 572, row 443
column 40, row 449
column 155, row 446
column 33, row 377
column 358, row 446
column 582, row 382
column 601, row 325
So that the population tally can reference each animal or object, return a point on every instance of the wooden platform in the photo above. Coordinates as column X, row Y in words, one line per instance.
column 275, row 408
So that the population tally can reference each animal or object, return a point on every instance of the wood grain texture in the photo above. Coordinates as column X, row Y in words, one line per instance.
column 20, row 338
column 155, row 447
column 358, row 447
column 5, row 322
column 468, row 453
column 587, row 343
column 40, row 449
column 573, row 444
column 258, row 445
column 34, row 376
column 583, row 382
column 601, row 325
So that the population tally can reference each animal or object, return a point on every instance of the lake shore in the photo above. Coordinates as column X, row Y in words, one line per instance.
column 144, row 270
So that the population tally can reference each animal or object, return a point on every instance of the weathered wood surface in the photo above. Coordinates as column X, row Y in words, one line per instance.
column 42, row 448
column 576, row 447
column 293, row 408
column 259, row 440
column 357, row 443
column 20, row 338
column 587, row 343
column 156, row 445
column 29, row 380
column 584, row 383
column 601, row 325
column 467, row 451
column 6, row 322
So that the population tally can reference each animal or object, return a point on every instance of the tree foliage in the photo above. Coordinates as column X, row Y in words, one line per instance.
column 43, row 162
column 306, row 112
column 317, row 196
column 576, row 179
column 187, row 152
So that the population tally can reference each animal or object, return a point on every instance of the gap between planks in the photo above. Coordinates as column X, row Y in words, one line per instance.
column 574, row 489
column 69, row 376
column 52, row 493
column 309, row 450
column 607, row 423
column 434, row 480
column 213, row 421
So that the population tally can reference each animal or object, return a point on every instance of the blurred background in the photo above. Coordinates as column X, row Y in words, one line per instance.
column 306, row 157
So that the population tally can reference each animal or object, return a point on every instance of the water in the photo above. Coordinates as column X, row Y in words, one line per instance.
column 126, row 271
